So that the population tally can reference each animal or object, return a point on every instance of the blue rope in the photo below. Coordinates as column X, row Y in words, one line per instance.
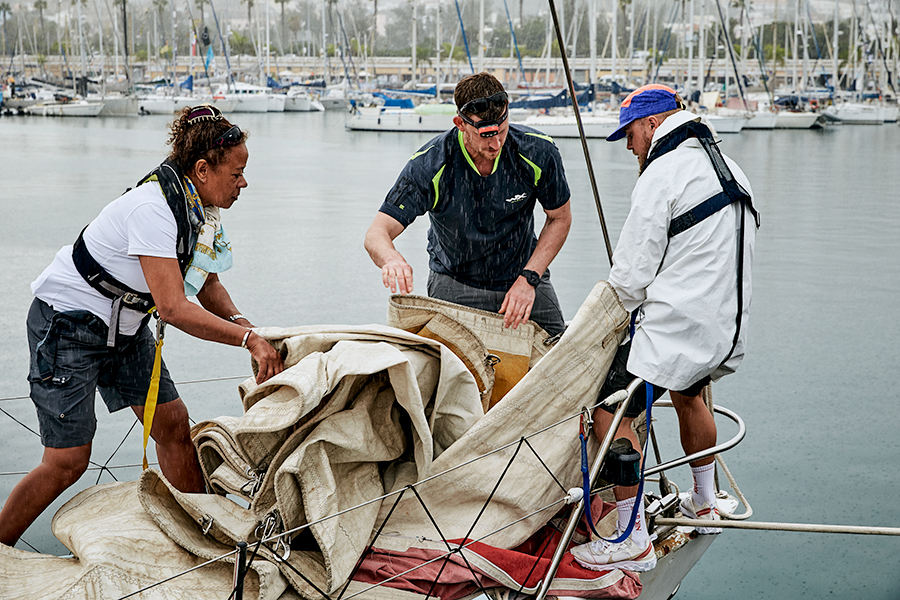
column 586, row 482
column 465, row 39
column 640, row 493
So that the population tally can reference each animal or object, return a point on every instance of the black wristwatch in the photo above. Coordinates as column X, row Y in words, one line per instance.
column 531, row 277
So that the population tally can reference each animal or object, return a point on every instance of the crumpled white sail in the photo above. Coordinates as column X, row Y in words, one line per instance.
column 359, row 412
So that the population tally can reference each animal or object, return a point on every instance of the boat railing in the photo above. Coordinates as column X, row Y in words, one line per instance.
column 569, row 496
column 622, row 398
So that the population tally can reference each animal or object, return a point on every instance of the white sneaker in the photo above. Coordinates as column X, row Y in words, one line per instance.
column 601, row 555
column 705, row 511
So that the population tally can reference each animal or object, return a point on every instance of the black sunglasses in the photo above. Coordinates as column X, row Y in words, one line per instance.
column 486, row 127
column 232, row 137
column 480, row 105
column 204, row 112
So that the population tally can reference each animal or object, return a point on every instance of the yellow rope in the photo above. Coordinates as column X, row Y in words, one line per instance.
column 152, row 394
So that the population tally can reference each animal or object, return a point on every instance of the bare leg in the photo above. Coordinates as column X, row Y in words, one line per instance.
column 59, row 469
column 602, row 422
column 695, row 424
column 177, row 456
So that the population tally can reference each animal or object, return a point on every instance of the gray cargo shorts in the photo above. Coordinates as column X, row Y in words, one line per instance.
column 70, row 360
column 545, row 311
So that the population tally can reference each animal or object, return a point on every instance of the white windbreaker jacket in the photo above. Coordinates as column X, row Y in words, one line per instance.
column 684, row 286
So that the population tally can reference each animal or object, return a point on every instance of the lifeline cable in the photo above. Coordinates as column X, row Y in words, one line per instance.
column 379, row 499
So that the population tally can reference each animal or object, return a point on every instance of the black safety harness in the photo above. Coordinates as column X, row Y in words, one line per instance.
column 188, row 222
column 732, row 191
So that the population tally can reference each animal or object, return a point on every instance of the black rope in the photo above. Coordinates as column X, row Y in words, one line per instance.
column 20, row 422
column 247, row 568
column 493, row 491
column 537, row 560
column 543, row 464
column 302, row 576
column 368, row 549
column 105, row 466
column 446, row 543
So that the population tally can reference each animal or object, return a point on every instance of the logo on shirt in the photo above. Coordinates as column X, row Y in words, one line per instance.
column 517, row 198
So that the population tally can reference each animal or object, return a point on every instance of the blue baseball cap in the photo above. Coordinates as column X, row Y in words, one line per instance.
column 648, row 100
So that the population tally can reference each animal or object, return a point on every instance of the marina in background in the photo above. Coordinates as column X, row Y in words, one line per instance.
column 816, row 390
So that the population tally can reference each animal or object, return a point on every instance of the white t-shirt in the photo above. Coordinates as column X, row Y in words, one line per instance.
column 138, row 223
column 687, row 284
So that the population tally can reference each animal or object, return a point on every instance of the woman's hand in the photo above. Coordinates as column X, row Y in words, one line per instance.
column 268, row 359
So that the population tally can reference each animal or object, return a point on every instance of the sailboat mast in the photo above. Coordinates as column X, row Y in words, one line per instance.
column 701, row 51
column 631, row 36
column 834, row 48
column 615, row 36
column 437, row 74
column 324, row 44
column 480, row 35
column 125, row 41
column 689, row 40
column 592, row 38
column 81, row 47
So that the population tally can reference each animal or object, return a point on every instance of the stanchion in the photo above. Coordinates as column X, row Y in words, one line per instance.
column 240, row 571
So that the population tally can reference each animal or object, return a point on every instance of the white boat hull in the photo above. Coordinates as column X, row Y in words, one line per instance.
column 854, row 113
column 762, row 120
column 400, row 119
column 221, row 103
column 567, row 127
column 276, row 102
column 249, row 103
column 727, row 124
column 81, row 108
column 796, row 120
column 156, row 105
column 660, row 583
column 335, row 103
column 302, row 103
column 119, row 106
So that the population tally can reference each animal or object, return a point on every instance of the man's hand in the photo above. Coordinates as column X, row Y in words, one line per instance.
column 397, row 274
column 266, row 356
column 516, row 307
column 395, row 271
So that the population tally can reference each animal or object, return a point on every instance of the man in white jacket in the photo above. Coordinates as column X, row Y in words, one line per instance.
column 682, row 269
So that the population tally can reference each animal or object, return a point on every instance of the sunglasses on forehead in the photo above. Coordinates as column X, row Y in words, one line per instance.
column 486, row 127
column 480, row 105
column 232, row 137
column 204, row 112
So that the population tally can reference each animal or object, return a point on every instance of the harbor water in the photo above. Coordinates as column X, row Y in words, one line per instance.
column 817, row 389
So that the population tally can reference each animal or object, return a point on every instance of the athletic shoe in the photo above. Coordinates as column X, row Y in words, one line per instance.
column 601, row 555
column 705, row 511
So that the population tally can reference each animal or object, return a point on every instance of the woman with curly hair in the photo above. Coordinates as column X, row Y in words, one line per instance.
column 88, row 324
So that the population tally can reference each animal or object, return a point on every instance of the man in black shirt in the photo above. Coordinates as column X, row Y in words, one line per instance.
column 479, row 184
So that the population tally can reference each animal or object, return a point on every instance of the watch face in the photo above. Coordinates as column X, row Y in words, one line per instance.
column 533, row 278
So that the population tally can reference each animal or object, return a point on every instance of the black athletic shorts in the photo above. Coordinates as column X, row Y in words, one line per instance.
column 618, row 378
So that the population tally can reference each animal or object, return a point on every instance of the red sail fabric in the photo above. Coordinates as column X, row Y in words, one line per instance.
column 428, row 571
